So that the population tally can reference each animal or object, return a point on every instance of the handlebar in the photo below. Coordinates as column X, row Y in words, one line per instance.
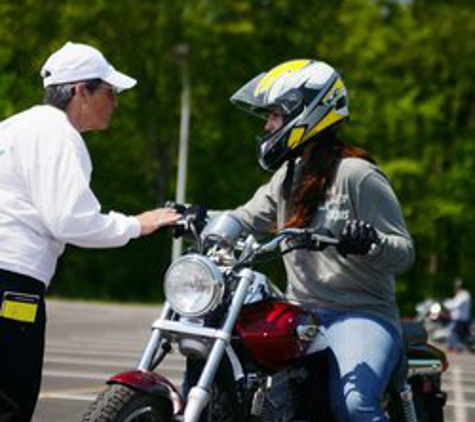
column 312, row 239
column 224, row 230
column 194, row 218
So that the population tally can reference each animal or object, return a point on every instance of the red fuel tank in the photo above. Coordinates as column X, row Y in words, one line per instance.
column 276, row 333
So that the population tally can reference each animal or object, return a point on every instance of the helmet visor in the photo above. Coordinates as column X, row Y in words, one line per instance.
column 248, row 99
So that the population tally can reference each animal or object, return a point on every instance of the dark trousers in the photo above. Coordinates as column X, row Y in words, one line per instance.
column 21, row 352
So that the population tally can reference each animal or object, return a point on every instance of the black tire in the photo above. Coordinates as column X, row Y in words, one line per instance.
column 119, row 403
column 430, row 407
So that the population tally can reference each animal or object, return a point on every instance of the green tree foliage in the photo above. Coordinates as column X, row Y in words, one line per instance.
column 408, row 66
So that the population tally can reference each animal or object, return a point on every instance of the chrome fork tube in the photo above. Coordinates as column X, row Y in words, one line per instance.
column 406, row 401
column 154, row 343
column 199, row 395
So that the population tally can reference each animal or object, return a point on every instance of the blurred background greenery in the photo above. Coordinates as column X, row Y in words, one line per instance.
column 409, row 67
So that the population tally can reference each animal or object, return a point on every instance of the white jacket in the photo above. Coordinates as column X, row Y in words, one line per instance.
column 460, row 306
column 45, row 197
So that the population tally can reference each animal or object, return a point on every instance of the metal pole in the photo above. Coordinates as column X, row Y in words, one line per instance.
column 182, row 52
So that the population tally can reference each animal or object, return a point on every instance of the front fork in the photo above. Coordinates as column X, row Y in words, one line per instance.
column 146, row 362
column 405, row 401
column 198, row 397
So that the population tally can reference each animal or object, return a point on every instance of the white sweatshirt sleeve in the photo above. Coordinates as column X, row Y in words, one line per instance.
column 58, row 176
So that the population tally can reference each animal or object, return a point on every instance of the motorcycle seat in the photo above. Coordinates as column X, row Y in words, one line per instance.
column 413, row 332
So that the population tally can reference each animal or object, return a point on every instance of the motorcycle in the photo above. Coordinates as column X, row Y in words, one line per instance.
column 436, row 319
column 251, row 354
column 437, row 322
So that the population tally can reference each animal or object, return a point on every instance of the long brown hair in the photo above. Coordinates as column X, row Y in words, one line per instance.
column 320, row 163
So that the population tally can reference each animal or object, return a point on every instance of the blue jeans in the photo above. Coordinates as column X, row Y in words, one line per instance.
column 458, row 335
column 364, row 352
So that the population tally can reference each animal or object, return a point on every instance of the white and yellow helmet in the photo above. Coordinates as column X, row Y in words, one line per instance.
column 311, row 96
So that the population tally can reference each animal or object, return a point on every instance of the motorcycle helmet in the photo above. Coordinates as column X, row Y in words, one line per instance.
column 311, row 97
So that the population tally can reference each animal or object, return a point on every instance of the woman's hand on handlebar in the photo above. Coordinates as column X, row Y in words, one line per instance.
column 151, row 221
column 357, row 238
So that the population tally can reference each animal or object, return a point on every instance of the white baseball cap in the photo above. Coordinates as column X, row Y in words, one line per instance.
column 79, row 62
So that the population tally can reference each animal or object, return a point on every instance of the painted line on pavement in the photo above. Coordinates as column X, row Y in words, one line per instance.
column 66, row 396
column 96, row 344
column 460, row 406
column 83, row 394
column 107, row 353
column 456, row 405
column 99, row 376
column 108, row 363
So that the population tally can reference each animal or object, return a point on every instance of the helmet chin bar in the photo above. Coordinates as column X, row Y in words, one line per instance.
column 270, row 153
column 289, row 154
column 272, row 148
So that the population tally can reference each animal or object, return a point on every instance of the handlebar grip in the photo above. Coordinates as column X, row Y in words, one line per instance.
column 196, row 215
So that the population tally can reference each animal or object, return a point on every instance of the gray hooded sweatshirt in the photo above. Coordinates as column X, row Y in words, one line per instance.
column 327, row 279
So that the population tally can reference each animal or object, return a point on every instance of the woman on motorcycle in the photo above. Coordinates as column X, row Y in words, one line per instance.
column 322, row 182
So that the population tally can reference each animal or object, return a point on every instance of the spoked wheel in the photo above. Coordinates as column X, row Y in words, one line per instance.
column 119, row 403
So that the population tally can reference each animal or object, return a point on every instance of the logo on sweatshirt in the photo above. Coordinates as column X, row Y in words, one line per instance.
column 337, row 207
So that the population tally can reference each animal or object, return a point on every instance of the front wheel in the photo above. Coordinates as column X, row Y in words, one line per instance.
column 119, row 403
column 429, row 405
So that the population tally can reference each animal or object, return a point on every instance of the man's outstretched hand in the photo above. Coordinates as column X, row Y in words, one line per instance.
column 151, row 221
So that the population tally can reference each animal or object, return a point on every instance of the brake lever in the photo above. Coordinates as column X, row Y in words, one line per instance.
column 322, row 241
column 312, row 240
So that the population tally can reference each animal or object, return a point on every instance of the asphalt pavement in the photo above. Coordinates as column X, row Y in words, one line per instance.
column 88, row 342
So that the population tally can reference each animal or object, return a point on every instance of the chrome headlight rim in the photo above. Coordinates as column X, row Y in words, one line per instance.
column 215, row 279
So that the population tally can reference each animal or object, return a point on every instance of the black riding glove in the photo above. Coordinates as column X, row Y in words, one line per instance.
column 357, row 237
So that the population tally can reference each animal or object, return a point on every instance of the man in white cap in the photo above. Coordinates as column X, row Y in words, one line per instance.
column 46, row 202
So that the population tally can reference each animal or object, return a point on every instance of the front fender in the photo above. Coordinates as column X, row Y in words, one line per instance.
column 151, row 383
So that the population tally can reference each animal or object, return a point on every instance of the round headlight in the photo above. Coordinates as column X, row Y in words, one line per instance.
column 193, row 285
